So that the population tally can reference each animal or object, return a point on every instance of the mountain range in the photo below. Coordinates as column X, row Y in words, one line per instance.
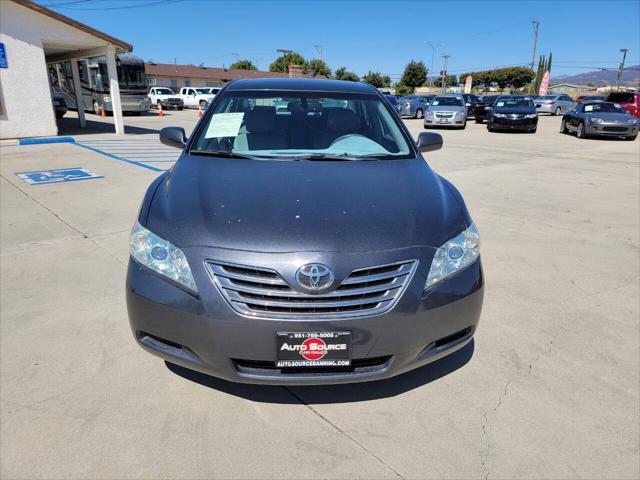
column 630, row 76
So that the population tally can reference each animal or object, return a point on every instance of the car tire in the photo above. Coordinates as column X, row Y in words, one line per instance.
column 203, row 104
column 489, row 127
column 96, row 108
column 425, row 126
column 478, row 120
column 419, row 113
column 533, row 130
column 557, row 111
column 464, row 125
column 580, row 131
column 563, row 127
column 632, row 138
column 180, row 108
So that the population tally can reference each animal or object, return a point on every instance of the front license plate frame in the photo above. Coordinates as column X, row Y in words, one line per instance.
column 313, row 349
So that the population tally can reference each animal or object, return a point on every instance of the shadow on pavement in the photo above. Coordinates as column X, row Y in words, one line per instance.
column 319, row 394
column 69, row 126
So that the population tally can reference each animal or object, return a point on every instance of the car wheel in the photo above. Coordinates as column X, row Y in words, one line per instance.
column 558, row 111
column 419, row 113
column 203, row 104
column 464, row 125
column 632, row 138
column 96, row 108
column 489, row 127
column 180, row 108
column 478, row 120
column 580, row 132
column 563, row 126
column 533, row 130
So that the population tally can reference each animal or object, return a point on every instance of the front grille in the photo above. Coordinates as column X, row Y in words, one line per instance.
column 261, row 292
column 444, row 114
column 615, row 129
column 263, row 367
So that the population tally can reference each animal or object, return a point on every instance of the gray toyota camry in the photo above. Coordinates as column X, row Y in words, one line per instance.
column 302, row 238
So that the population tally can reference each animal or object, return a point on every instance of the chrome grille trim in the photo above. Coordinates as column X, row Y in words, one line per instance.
column 259, row 292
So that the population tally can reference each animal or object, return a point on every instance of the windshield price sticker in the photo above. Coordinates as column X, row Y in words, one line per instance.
column 224, row 125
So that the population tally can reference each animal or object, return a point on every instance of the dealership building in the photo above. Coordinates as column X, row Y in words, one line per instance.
column 31, row 37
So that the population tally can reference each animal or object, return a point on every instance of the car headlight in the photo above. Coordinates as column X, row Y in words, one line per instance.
column 531, row 115
column 453, row 256
column 160, row 256
column 107, row 99
column 499, row 115
column 428, row 113
column 596, row 120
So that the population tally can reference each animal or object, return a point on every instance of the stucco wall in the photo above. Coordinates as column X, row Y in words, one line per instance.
column 25, row 87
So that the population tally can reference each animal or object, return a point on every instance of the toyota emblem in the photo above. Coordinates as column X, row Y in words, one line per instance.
column 315, row 277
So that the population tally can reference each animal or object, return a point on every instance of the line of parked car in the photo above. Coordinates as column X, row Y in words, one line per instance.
column 613, row 115
column 190, row 97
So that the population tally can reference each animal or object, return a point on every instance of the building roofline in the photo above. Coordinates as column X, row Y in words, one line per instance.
column 73, row 23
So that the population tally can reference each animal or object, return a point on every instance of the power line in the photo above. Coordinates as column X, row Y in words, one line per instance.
column 150, row 3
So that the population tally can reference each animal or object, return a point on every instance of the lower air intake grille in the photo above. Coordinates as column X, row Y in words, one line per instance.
column 260, row 292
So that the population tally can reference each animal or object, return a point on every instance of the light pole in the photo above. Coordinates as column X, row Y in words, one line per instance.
column 621, row 69
column 433, row 54
column 319, row 48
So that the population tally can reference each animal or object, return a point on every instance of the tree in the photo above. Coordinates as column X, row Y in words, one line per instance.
column 243, row 65
column 343, row 74
column 449, row 81
column 415, row 74
column 386, row 79
column 516, row 77
column 375, row 79
column 281, row 64
column 402, row 89
column 317, row 67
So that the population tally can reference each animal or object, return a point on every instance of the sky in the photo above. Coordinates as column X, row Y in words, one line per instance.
column 371, row 35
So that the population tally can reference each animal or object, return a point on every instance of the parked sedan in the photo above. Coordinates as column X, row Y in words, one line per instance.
column 314, row 285
column 600, row 119
column 471, row 102
column 446, row 111
column 414, row 106
column 482, row 111
column 513, row 112
column 554, row 104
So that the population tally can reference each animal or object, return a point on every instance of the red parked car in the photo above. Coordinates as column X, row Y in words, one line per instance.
column 590, row 98
column 629, row 100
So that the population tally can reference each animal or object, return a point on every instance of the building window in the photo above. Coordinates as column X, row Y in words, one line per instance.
column 187, row 83
column 174, row 83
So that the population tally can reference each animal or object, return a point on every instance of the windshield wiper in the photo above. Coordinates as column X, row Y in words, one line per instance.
column 220, row 153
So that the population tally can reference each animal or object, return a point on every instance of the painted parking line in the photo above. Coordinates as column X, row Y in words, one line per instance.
column 143, row 152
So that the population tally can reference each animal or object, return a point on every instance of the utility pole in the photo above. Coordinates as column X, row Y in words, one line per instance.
column 284, row 53
column 433, row 52
column 444, row 71
column 536, row 26
column 621, row 69
column 237, row 55
column 319, row 48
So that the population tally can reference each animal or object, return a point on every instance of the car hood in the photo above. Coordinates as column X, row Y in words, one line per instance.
column 438, row 108
column 612, row 117
column 289, row 206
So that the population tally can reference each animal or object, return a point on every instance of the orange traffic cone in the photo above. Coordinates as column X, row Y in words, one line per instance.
column 102, row 112
column 160, row 111
column 199, row 110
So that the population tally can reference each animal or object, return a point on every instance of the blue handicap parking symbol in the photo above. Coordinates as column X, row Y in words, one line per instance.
column 57, row 175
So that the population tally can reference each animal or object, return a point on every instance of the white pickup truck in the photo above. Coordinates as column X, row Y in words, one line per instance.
column 166, row 97
column 195, row 97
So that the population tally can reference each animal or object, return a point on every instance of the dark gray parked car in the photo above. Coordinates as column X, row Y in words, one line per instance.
column 300, row 245
column 600, row 119
column 414, row 106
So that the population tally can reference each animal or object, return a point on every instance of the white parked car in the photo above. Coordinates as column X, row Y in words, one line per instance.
column 195, row 97
column 166, row 97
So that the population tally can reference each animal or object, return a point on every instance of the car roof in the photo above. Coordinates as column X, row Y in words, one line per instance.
column 302, row 84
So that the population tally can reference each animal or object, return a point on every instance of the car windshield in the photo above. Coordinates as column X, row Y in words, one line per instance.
column 299, row 124
column 621, row 97
column 202, row 91
column 514, row 102
column 163, row 91
column 603, row 107
column 408, row 98
column 447, row 102
column 548, row 97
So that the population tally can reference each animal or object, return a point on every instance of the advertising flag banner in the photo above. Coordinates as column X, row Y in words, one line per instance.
column 467, row 84
column 544, row 85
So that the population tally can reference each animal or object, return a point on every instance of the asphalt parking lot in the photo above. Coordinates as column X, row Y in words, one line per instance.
column 549, row 388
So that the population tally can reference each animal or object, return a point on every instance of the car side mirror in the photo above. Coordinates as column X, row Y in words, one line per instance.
column 429, row 142
column 173, row 137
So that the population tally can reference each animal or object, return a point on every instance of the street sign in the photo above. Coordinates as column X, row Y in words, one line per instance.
column 3, row 57
column 57, row 176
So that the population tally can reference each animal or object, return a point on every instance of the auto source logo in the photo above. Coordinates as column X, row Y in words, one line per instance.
column 313, row 349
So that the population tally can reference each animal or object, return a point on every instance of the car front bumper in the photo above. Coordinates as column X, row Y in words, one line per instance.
column 513, row 124
column 205, row 334
column 611, row 129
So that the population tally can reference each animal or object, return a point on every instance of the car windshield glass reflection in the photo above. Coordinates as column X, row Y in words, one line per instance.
column 514, row 103
column 603, row 107
column 302, row 125
column 447, row 102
